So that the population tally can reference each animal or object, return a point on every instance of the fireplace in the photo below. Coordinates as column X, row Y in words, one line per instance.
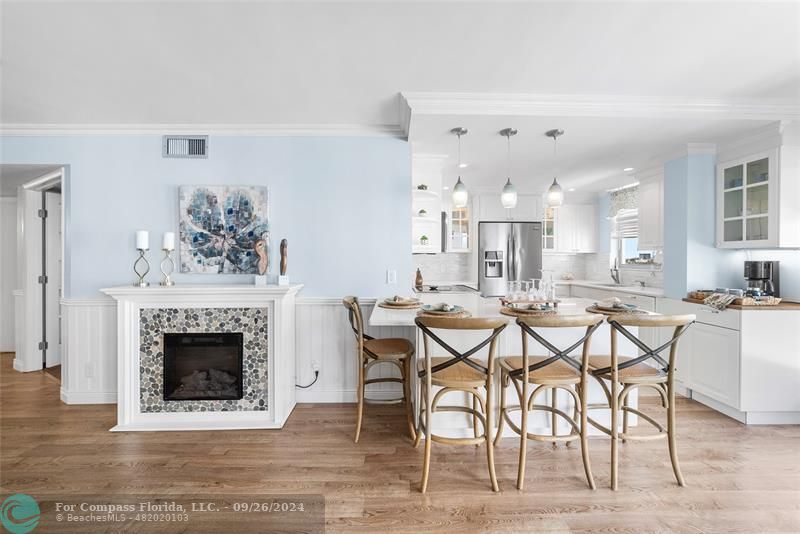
column 203, row 366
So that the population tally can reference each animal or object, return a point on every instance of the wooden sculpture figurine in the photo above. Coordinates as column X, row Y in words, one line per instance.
column 284, row 255
column 260, row 247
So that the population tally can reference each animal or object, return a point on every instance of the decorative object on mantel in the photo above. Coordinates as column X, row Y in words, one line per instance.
column 508, row 198
column 142, row 245
column 422, row 187
column 219, row 227
column 283, row 280
column 555, row 195
column 460, row 194
column 168, row 264
column 418, row 282
column 423, row 240
column 262, row 252
column 422, row 213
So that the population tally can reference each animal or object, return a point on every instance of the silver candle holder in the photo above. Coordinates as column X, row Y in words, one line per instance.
column 136, row 268
column 167, row 268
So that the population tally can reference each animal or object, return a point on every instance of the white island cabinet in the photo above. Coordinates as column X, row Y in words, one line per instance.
column 744, row 363
column 509, row 344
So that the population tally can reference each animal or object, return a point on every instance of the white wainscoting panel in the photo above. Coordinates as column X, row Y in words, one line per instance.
column 324, row 336
column 89, row 359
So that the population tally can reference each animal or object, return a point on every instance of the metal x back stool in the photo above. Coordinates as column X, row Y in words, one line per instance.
column 559, row 371
column 624, row 374
column 457, row 373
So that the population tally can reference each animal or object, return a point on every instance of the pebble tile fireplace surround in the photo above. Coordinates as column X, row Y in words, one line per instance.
column 261, row 317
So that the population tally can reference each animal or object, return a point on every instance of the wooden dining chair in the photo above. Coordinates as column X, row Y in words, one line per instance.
column 458, row 372
column 371, row 352
column 619, row 375
column 533, row 375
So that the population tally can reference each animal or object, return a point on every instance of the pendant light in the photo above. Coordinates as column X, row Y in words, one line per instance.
column 508, row 198
column 555, row 195
column 460, row 194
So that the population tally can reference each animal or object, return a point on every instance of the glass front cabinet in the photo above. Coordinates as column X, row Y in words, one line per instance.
column 747, row 202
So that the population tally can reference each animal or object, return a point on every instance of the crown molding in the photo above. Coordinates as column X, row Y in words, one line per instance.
column 256, row 130
column 549, row 105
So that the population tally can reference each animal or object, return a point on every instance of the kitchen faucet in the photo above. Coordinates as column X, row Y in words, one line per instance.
column 615, row 271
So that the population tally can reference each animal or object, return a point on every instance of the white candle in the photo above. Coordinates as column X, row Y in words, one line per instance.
column 142, row 240
column 169, row 241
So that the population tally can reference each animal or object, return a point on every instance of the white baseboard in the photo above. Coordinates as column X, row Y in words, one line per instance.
column 19, row 365
column 733, row 413
column 341, row 395
column 88, row 397
column 773, row 418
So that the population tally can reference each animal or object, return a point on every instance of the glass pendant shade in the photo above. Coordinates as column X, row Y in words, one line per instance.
column 555, row 195
column 460, row 195
column 508, row 198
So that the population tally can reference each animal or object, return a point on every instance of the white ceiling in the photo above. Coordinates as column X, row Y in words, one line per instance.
column 256, row 62
column 13, row 176
column 592, row 153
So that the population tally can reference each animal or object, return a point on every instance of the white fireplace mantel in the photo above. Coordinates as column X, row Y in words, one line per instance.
column 280, row 302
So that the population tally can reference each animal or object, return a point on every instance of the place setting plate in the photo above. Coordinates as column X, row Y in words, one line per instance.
column 614, row 307
column 521, row 309
column 443, row 309
column 400, row 303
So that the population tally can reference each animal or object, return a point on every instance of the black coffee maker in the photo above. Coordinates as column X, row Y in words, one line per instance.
column 763, row 276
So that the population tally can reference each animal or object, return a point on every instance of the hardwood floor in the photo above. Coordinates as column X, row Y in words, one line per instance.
column 740, row 479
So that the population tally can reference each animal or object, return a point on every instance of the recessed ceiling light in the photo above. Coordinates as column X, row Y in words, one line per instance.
column 571, row 189
column 627, row 169
column 463, row 165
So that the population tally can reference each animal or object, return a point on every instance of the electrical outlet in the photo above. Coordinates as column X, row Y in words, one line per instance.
column 391, row 276
column 315, row 366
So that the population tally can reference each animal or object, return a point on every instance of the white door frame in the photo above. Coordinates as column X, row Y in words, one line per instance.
column 29, row 357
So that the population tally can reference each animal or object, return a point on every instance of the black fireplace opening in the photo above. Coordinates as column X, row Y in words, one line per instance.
column 203, row 366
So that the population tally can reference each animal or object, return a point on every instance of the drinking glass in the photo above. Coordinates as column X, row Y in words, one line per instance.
column 513, row 290
column 535, row 292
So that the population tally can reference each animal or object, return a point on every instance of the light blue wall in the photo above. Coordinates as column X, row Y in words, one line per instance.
column 691, row 260
column 603, row 223
column 343, row 203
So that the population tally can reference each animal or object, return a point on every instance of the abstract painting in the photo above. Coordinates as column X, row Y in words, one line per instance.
column 219, row 227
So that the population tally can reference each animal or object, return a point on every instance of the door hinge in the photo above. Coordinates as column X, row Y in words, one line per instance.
column 42, row 214
column 43, row 345
column 43, row 279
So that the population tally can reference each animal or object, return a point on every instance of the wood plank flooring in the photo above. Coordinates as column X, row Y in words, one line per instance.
column 740, row 479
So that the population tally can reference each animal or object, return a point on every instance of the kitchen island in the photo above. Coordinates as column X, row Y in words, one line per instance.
column 509, row 344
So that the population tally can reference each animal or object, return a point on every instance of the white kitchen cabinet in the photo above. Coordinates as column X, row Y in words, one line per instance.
column 651, row 213
column 575, row 229
column 714, row 363
column 528, row 208
column 757, row 200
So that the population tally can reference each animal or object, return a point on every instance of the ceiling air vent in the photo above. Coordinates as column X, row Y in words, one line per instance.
column 185, row 146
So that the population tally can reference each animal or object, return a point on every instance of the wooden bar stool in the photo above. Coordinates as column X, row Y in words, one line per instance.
column 462, row 373
column 624, row 374
column 558, row 371
column 371, row 352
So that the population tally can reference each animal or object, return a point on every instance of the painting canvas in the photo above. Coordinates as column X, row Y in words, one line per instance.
column 219, row 226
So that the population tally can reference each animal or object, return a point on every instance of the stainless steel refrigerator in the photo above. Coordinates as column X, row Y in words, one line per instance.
column 507, row 251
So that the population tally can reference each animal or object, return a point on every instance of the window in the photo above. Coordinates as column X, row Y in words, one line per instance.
column 625, row 240
column 459, row 229
column 548, row 230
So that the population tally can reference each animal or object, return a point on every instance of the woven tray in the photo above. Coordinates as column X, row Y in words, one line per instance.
column 410, row 306
column 595, row 309
column 524, row 313
column 459, row 315
column 505, row 301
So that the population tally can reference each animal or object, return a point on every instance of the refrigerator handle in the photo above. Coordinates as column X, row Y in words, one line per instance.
column 512, row 253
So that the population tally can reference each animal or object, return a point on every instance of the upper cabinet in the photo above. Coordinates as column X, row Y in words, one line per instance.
column 529, row 208
column 651, row 212
column 575, row 229
column 757, row 200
